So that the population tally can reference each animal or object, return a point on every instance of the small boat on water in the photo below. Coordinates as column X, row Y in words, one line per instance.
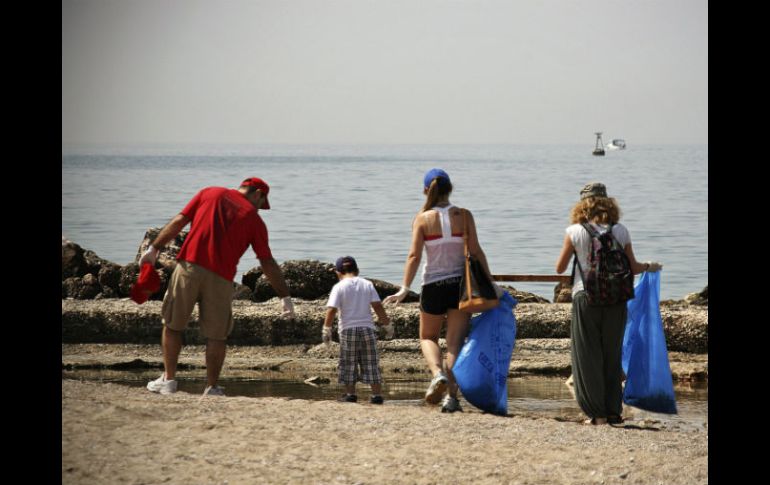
column 616, row 144
column 599, row 150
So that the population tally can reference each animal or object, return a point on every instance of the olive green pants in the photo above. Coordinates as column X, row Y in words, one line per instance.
column 596, row 345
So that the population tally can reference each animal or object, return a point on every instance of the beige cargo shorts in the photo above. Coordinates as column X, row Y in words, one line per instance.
column 191, row 284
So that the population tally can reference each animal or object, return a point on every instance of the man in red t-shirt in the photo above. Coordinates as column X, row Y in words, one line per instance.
column 224, row 223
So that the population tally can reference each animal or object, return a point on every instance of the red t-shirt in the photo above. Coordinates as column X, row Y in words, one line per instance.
column 223, row 225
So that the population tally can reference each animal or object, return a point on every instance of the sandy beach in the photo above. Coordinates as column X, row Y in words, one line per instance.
column 119, row 434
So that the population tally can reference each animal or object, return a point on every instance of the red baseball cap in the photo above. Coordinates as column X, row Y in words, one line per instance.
column 146, row 284
column 261, row 185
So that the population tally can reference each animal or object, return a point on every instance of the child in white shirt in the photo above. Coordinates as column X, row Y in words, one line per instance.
column 359, row 360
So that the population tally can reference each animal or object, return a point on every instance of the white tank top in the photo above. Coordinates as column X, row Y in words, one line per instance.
column 445, row 253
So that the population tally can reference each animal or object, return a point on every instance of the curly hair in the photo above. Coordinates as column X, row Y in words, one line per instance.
column 603, row 210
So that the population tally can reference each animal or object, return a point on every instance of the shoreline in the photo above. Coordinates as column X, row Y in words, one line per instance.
column 538, row 357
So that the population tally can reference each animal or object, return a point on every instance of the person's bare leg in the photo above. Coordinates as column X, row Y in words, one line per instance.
column 215, row 357
column 171, row 342
column 430, row 329
column 456, row 331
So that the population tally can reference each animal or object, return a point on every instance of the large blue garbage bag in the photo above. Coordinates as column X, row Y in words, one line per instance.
column 645, row 359
column 481, row 369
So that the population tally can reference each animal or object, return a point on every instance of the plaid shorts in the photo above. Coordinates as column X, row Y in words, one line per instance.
column 358, row 356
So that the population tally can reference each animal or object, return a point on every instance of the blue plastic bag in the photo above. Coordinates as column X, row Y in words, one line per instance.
column 481, row 369
column 645, row 359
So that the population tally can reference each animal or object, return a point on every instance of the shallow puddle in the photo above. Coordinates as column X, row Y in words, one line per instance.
column 546, row 396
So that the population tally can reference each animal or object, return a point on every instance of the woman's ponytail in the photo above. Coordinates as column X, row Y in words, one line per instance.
column 435, row 192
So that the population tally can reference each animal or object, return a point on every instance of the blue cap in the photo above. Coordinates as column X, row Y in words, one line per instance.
column 433, row 173
column 346, row 264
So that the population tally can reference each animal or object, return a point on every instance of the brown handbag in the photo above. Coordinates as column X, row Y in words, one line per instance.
column 477, row 294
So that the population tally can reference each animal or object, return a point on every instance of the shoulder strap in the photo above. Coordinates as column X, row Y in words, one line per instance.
column 576, row 261
column 465, row 231
column 591, row 231
column 446, row 222
column 615, row 243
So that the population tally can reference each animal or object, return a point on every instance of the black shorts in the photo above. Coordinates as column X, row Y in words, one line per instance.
column 436, row 298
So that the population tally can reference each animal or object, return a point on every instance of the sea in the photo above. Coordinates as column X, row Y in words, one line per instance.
column 329, row 201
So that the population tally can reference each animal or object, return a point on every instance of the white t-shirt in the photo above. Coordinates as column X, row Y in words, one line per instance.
column 581, row 241
column 352, row 297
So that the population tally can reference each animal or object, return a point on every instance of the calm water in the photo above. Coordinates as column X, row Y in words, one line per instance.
column 328, row 201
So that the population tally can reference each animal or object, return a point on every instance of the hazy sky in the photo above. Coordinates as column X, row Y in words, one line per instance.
column 415, row 71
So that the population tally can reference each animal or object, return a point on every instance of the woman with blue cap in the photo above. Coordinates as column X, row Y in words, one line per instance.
column 439, row 229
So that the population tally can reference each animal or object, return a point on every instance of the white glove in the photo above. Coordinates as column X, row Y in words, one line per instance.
column 388, row 331
column 288, row 307
column 149, row 256
column 653, row 266
column 398, row 297
column 326, row 334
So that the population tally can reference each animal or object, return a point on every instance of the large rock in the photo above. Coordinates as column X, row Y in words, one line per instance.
column 73, row 263
column 95, row 263
column 167, row 256
column 523, row 296
column 308, row 280
column 107, row 292
column 109, row 277
column 84, row 288
column 686, row 328
column 384, row 289
column 242, row 292
column 251, row 277
column 94, row 272
column 111, row 320
column 700, row 298
column 130, row 272
column 539, row 320
column 562, row 293
column 71, row 286
column 128, row 275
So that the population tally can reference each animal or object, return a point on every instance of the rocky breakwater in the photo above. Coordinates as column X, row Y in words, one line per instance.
column 260, row 323
column 95, row 307
column 86, row 276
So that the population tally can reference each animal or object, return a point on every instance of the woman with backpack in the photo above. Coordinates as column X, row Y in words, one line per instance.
column 606, row 264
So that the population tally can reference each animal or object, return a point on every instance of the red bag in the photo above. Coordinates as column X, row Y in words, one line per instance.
column 146, row 284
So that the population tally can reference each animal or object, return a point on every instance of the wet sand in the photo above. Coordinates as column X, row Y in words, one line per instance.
column 548, row 356
column 120, row 434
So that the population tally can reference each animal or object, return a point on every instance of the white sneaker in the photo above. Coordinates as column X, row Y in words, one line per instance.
column 213, row 391
column 450, row 405
column 437, row 388
column 161, row 385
